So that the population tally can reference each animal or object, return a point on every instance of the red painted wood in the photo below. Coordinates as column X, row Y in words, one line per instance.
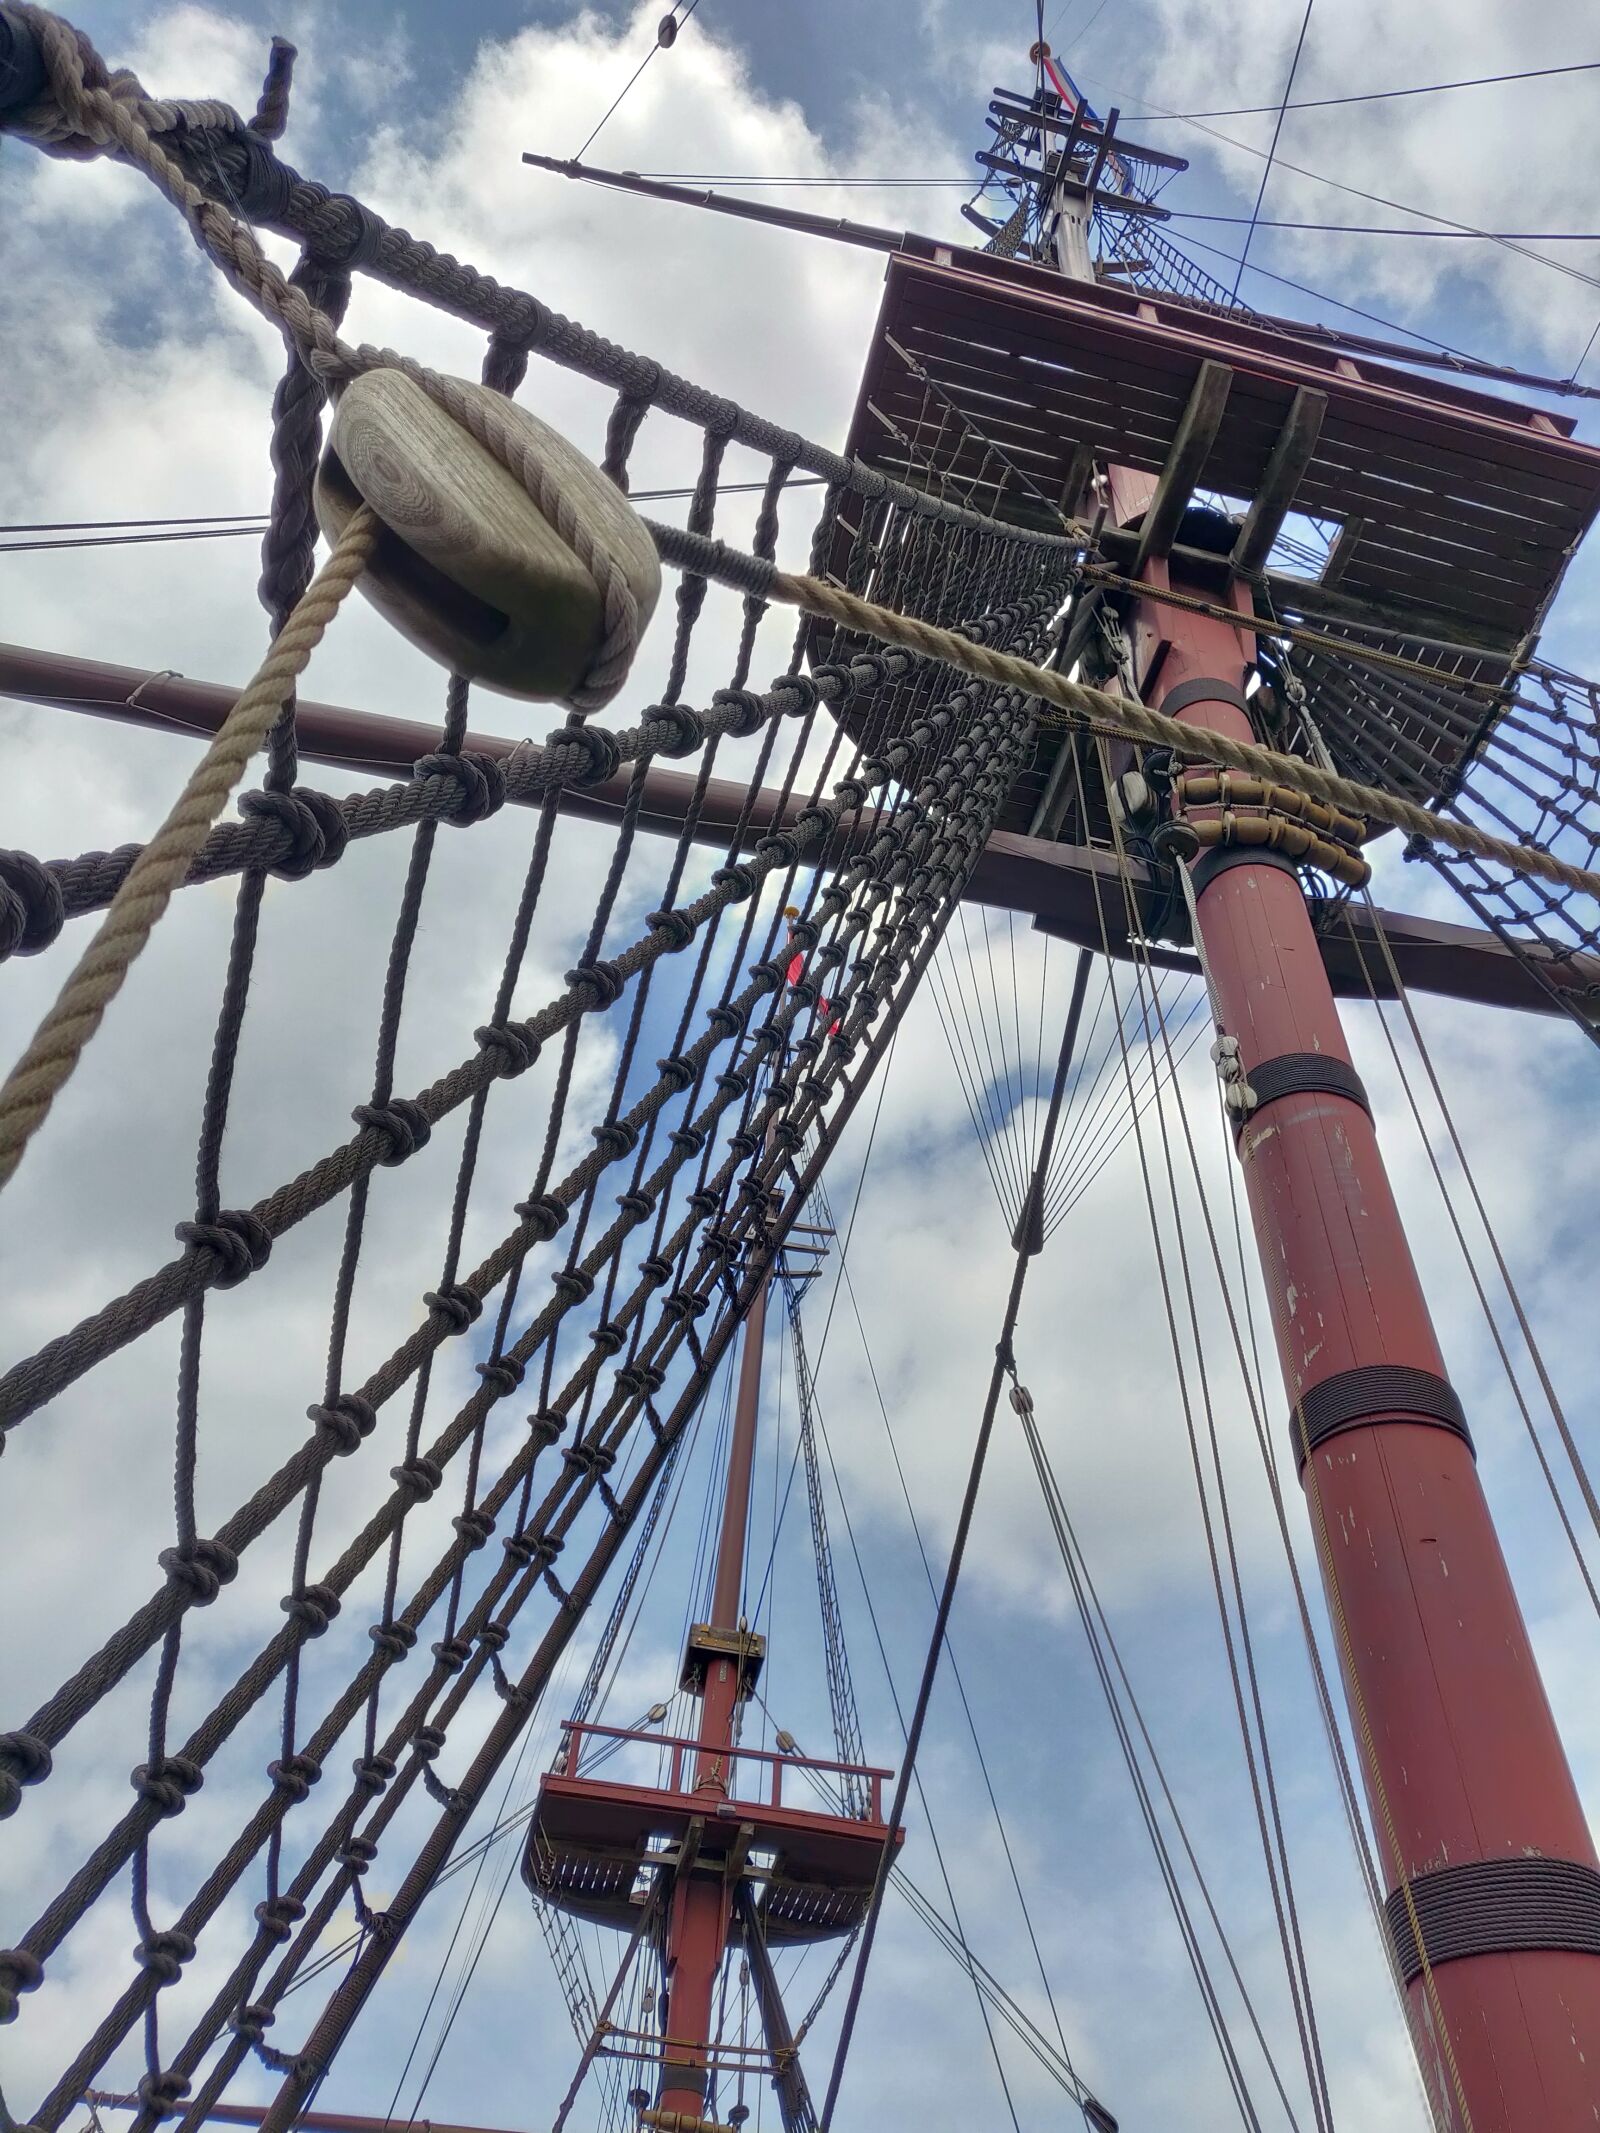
column 1459, row 1751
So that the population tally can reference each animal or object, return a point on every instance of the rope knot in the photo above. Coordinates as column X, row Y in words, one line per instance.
column 591, row 752
column 616, row 1138
column 314, row 1606
column 32, row 909
column 744, row 713
column 547, row 1425
column 344, row 1421
column 239, row 1239
column 738, row 879
column 452, row 1653
column 573, row 1284
column 481, row 779
column 373, row 1772
column 603, row 982
column 685, row 730
column 313, row 823
column 393, row 1639
column 20, row 1971
column 419, row 1477
column 167, row 1784
column 679, row 930
column 251, row 2023
column 456, row 1304
column 402, row 1123
column 164, row 1955
column 474, row 1527
column 800, row 692
column 356, row 1854
column 279, row 1916
column 202, row 1569
column 513, row 1045
column 162, row 2091
column 502, row 1375
column 294, row 1776
column 24, row 1760
column 544, row 1216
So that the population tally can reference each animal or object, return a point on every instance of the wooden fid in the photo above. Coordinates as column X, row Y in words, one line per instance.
column 467, row 566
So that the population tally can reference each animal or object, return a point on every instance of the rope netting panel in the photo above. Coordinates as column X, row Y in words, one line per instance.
column 1526, row 760
column 322, row 1681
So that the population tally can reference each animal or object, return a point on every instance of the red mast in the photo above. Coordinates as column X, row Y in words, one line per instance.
column 697, row 1935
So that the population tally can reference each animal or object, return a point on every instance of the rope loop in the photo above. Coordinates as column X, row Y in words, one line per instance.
column 544, row 1216
column 686, row 732
column 456, row 1304
column 278, row 1916
column 162, row 2091
column 512, row 1045
column 294, row 1776
column 420, row 1477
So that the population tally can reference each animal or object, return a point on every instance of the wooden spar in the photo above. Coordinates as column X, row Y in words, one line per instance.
column 1191, row 448
column 1052, row 884
column 1291, row 455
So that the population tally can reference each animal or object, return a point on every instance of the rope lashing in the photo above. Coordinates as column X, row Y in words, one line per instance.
column 58, row 1043
column 88, row 110
column 1126, row 716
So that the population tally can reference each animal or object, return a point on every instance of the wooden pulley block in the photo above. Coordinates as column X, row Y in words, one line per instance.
column 467, row 566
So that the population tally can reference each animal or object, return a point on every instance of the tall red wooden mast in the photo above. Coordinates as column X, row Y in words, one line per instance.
column 1049, row 390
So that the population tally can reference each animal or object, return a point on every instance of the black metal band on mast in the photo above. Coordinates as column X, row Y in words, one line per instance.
column 1027, row 1229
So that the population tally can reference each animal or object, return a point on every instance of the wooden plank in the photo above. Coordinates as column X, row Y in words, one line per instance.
column 1291, row 455
column 1342, row 550
column 1191, row 448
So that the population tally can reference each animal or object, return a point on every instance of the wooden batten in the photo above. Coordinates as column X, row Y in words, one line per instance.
column 1191, row 448
column 1274, row 498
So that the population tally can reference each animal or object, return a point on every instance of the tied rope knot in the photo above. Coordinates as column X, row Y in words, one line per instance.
column 512, row 1047
column 314, row 1606
column 32, row 909
column 168, row 1784
column 402, row 1123
column 419, row 1477
column 278, row 1916
column 294, row 1776
column 24, row 1760
column 313, row 823
column 164, row 1955
column 20, row 1971
column 240, row 1240
column 456, row 1304
column 481, row 780
column 201, row 1569
column 344, row 1421
column 162, row 2091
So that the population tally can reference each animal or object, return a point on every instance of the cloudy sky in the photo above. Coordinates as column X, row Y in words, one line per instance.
column 136, row 386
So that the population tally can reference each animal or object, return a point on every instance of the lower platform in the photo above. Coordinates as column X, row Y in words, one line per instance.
column 595, row 1842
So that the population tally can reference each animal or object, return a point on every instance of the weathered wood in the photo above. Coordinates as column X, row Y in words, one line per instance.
column 468, row 568
column 1291, row 455
column 1191, row 448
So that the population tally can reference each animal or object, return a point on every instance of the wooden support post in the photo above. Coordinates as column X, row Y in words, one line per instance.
column 1291, row 455
column 1341, row 552
column 1191, row 448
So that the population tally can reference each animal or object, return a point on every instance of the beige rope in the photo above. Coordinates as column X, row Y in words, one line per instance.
column 1120, row 714
column 132, row 915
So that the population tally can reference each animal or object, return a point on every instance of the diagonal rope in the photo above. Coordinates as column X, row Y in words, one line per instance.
column 57, row 1045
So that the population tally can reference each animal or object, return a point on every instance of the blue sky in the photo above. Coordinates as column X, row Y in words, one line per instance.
column 144, row 388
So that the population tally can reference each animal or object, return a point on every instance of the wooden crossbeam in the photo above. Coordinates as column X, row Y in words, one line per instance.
column 1008, row 105
column 1271, row 504
column 1191, row 448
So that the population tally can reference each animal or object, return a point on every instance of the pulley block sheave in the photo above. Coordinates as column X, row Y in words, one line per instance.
column 468, row 566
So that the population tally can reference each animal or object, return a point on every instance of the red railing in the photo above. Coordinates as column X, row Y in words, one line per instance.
column 575, row 1734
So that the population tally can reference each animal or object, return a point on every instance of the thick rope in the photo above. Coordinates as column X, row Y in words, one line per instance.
column 1125, row 715
column 116, row 118
column 58, row 1043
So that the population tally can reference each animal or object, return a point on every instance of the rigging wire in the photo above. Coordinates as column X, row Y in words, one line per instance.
column 657, row 45
column 953, row 1572
column 1272, row 148
column 1379, row 96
